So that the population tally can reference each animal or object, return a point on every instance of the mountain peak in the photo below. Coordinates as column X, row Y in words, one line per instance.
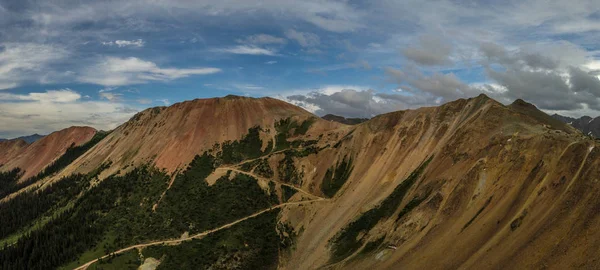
column 172, row 136
column 36, row 156
column 526, row 108
column 482, row 96
column 522, row 103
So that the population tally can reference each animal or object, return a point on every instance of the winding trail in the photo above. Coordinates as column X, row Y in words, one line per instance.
column 266, row 179
column 199, row 235
column 226, row 226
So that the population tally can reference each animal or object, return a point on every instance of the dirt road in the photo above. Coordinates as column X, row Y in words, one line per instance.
column 267, row 180
column 199, row 235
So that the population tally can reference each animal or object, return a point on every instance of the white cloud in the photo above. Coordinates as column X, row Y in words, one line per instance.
column 261, row 39
column 304, row 39
column 271, row 62
column 325, row 89
column 107, row 89
column 249, row 50
column 112, row 97
column 248, row 87
column 331, row 15
column 8, row 85
column 113, row 71
column 592, row 65
column 135, row 43
column 23, row 62
column 430, row 51
column 52, row 96
column 349, row 102
column 52, row 110
column 144, row 101
column 125, row 43
column 578, row 26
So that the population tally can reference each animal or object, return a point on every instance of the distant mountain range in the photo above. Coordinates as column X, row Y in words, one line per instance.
column 28, row 139
column 343, row 120
column 587, row 125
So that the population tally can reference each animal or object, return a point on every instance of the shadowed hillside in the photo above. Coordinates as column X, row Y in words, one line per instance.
column 588, row 125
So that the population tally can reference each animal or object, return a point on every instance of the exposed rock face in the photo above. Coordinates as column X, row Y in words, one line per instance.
column 9, row 149
column 587, row 125
column 36, row 156
column 504, row 188
column 170, row 137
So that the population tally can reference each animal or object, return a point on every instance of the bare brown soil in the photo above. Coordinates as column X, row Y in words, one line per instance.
column 35, row 157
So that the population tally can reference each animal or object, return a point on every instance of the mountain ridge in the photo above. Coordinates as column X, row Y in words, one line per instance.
column 493, row 184
column 344, row 120
column 586, row 124
column 34, row 157
column 179, row 131
column 28, row 139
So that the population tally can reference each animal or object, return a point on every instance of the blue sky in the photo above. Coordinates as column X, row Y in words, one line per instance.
column 97, row 63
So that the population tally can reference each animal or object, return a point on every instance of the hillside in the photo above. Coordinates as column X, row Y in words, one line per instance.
column 259, row 183
column 9, row 149
column 170, row 137
column 472, row 179
column 36, row 156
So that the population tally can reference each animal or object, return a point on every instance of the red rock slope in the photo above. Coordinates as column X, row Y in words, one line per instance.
column 35, row 157
column 10, row 149
column 171, row 136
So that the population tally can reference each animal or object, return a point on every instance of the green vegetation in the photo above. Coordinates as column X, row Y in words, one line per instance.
column 83, row 221
column 253, row 244
column 263, row 169
column 8, row 181
column 273, row 193
column 127, row 260
column 249, row 166
column 372, row 245
column 248, row 147
column 304, row 152
column 287, row 170
column 285, row 127
column 287, row 193
column 191, row 205
column 72, row 153
column 477, row 214
column 118, row 212
column 303, row 128
column 287, row 236
column 19, row 212
column 347, row 241
column 335, row 177
column 303, row 143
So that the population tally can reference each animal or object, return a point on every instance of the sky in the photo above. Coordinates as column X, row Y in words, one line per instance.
column 97, row 63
